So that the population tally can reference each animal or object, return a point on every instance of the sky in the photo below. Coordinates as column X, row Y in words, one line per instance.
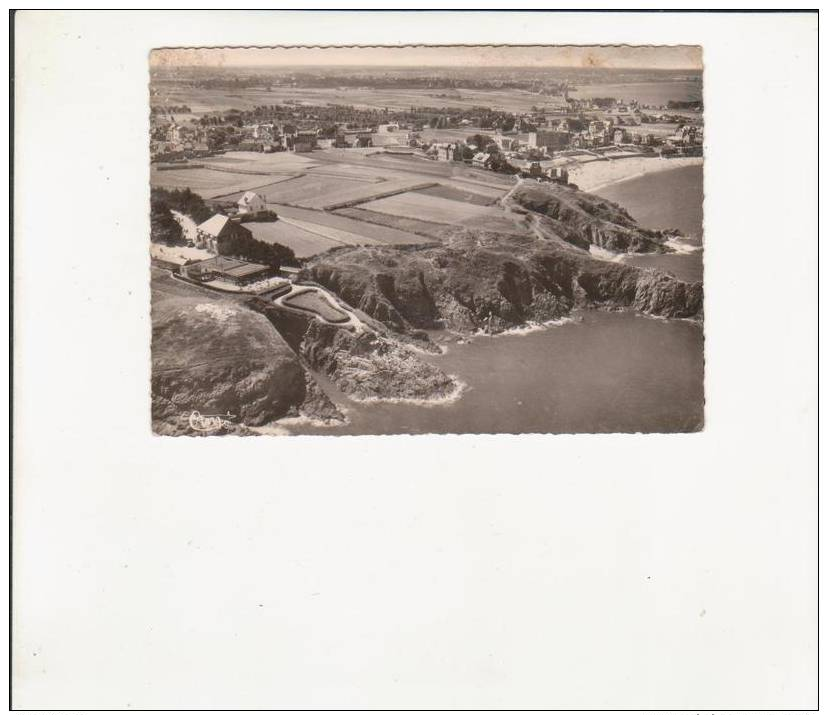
column 614, row 57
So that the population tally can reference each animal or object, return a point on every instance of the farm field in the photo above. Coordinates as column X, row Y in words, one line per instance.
column 475, row 187
column 428, row 231
column 276, row 162
column 209, row 184
column 443, row 169
column 263, row 191
column 364, row 192
column 202, row 101
column 303, row 243
column 431, row 208
column 309, row 190
column 381, row 234
column 346, row 238
column 353, row 173
column 446, row 191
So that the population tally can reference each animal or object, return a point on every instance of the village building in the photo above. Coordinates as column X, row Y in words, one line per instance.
column 596, row 128
column 506, row 143
column 264, row 132
column 304, row 141
column 199, row 149
column 550, row 140
column 232, row 270
column 620, row 136
column 535, row 170
column 290, row 272
column 445, row 152
column 481, row 160
column 251, row 203
column 174, row 134
column 363, row 140
column 217, row 227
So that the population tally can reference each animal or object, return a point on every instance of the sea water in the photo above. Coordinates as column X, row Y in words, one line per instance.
column 666, row 199
column 601, row 372
column 648, row 93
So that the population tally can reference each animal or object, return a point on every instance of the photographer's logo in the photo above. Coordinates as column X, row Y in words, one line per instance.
column 209, row 423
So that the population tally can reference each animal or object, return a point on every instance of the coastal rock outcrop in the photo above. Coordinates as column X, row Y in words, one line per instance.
column 483, row 280
column 584, row 219
column 368, row 363
column 219, row 358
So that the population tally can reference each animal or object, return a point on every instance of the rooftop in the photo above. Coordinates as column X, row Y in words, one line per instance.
column 248, row 197
column 229, row 266
column 214, row 224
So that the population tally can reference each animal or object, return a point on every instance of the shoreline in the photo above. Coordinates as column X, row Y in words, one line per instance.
column 592, row 176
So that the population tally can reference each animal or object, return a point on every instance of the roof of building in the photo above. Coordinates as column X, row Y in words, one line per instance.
column 214, row 225
column 229, row 266
column 217, row 225
column 248, row 197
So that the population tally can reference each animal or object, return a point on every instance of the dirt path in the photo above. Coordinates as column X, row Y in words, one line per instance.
column 187, row 225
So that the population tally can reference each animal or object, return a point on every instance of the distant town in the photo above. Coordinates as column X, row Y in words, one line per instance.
column 562, row 128
column 542, row 143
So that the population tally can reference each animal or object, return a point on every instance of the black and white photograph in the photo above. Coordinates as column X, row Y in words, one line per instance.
column 427, row 240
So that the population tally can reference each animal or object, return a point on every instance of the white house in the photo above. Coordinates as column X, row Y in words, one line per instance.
column 251, row 203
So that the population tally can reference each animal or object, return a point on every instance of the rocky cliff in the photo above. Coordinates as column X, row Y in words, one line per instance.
column 486, row 280
column 368, row 363
column 584, row 219
column 218, row 357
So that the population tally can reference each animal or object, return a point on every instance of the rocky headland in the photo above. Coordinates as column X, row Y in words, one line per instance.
column 260, row 361
column 365, row 363
column 483, row 280
column 219, row 358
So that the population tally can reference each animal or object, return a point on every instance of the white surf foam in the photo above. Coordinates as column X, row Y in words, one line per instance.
column 681, row 245
column 527, row 328
column 604, row 254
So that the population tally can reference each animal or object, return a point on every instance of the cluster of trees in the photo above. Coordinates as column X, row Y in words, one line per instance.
column 266, row 216
column 497, row 161
column 330, row 115
column 672, row 104
column 604, row 102
column 182, row 200
column 242, row 245
column 501, row 165
column 237, row 82
column 379, row 80
column 163, row 227
column 170, row 109
column 481, row 141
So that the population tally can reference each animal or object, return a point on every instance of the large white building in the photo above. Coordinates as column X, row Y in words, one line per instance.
column 251, row 203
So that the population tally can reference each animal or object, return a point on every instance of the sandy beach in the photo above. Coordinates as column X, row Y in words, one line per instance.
column 595, row 175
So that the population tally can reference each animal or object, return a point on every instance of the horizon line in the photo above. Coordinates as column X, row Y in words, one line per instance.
column 425, row 67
